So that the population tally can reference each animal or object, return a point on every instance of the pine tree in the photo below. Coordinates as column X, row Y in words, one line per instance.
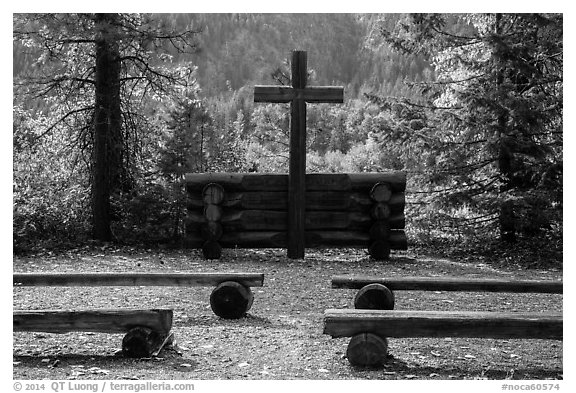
column 94, row 71
column 488, row 130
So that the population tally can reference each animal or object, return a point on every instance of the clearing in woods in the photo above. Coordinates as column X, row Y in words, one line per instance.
column 281, row 338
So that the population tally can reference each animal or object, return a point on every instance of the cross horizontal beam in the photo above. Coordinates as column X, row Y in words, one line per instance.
column 298, row 95
column 314, row 94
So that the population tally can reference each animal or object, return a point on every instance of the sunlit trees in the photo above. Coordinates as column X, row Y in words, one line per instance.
column 93, row 74
column 109, row 113
column 488, row 129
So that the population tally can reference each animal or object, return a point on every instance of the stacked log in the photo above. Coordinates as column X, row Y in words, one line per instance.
column 380, row 194
column 211, row 227
column 251, row 211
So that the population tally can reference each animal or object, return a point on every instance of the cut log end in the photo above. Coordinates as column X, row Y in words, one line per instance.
column 374, row 297
column 213, row 212
column 141, row 342
column 380, row 230
column 379, row 250
column 381, row 192
column 213, row 193
column 211, row 249
column 212, row 230
column 380, row 211
column 367, row 350
column 231, row 300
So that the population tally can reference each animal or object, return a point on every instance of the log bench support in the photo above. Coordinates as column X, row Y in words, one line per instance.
column 231, row 298
column 369, row 329
column 376, row 293
column 146, row 331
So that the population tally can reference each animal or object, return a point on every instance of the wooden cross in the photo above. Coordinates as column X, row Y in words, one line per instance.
column 297, row 95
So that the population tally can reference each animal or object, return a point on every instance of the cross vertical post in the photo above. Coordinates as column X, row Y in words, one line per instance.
column 298, row 95
column 297, row 174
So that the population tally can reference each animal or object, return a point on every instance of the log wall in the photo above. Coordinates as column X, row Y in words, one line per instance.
column 230, row 210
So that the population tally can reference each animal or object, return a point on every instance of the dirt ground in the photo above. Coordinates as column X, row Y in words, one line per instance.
column 281, row 337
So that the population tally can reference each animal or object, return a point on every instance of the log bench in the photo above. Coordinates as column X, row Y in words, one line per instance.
column 231, row 297
column 369, row 329
column 146, row 331
column 376, row 293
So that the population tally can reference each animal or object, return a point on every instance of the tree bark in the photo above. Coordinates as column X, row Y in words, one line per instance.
column 108, row 144
column 506, row 215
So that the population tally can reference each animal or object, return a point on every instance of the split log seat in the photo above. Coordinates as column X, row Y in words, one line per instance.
column 146, row 331
column 377, row 292
column 231, row 298
column 369, row 329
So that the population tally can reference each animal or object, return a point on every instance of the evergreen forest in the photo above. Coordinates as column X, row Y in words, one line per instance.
column 111, row 110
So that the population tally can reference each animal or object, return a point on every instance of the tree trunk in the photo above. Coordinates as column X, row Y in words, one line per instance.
column 506, row 214
column 108, row 144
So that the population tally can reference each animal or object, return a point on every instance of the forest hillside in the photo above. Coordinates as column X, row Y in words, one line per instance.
column 468, row 105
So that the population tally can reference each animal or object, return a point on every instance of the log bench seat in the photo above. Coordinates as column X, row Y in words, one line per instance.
column 369, row 329
column 146, row 331
column 377, row 292
column 231, row 298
